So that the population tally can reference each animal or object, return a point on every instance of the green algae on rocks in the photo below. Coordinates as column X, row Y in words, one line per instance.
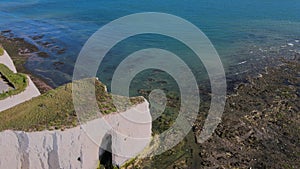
column 19, row 50
column 260, row 125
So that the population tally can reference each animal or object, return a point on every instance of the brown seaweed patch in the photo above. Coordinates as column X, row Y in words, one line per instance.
column 37, row 37
column 61, row 51
column 43, row 54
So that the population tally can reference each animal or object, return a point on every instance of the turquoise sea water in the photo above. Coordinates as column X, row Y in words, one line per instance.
column 235, row 27
column 244, row 32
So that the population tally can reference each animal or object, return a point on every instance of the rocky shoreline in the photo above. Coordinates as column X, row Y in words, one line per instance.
column 260, row 125
column 19, row 51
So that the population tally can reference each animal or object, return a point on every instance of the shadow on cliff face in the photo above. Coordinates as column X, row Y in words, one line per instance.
column 105, row 155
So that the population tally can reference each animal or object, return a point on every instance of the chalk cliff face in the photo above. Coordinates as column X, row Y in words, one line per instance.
column 30, row 91
column 79, row 147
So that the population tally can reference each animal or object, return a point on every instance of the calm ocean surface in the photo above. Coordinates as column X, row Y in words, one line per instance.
column 233, row 26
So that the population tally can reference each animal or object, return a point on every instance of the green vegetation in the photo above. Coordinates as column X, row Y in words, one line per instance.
column 54, row 109
column 128, row 163
column 17, row 80
column 13, row 46
column 100, row 166
column 1, row 51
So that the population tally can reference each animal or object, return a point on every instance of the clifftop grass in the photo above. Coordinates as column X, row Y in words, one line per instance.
column 54, row 110
column 17, row 80
column 1, row 51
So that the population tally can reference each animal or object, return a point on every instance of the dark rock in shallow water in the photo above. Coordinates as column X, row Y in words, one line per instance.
column 61, row 51
column 37, row 37
column 259, row 123
column 43, row 54
column 46, row 44
column 151, row 79
column 58, row 63
column 5, row 31
column 162, row 82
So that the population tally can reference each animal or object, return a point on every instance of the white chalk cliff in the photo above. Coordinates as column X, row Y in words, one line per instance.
column 30, row 92
column 78, row 148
